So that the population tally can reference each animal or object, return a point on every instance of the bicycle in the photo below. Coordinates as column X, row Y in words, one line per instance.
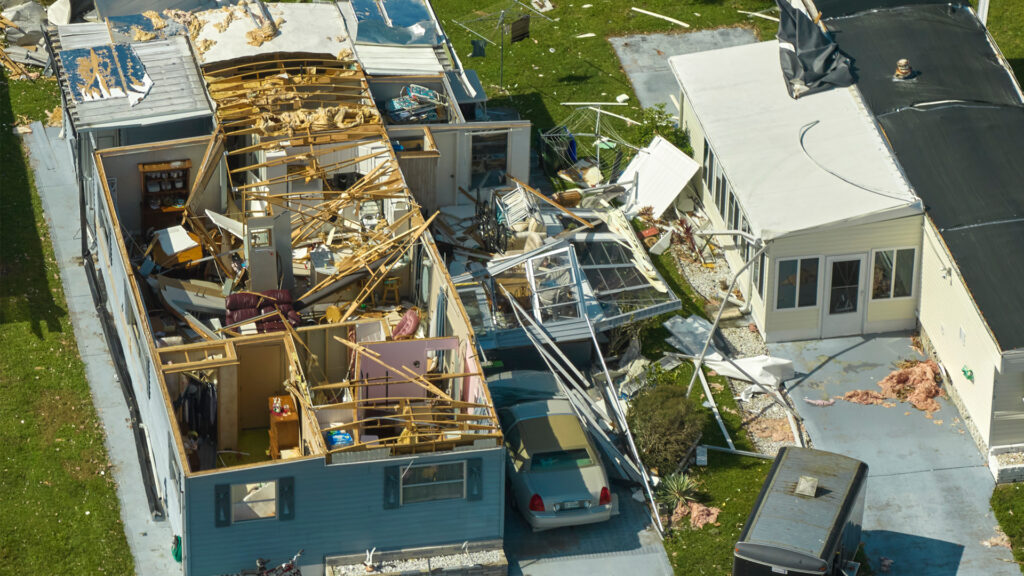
column 288, row 568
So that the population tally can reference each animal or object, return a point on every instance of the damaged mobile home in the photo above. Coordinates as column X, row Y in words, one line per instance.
column 264, row 191
column 304, row 374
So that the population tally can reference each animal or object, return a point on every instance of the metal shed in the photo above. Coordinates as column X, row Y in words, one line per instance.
column 807, row 518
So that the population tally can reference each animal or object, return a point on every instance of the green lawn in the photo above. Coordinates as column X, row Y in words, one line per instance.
column 553, row 66
column 58, row 507
column 1008, row 505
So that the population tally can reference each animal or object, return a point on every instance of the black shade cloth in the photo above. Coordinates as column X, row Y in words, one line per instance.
column 834, row 8
column 811, row 62
column 948, row 49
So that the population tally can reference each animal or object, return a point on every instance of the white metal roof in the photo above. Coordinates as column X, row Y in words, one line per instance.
column 382, row 60
column 658, row 172
column 795, row 165
column 307, row 28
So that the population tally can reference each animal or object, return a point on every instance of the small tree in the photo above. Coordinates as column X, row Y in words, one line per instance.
column 656, row 121
column 665, row 423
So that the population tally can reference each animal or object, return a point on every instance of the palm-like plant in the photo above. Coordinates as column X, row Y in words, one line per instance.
column 678, row 489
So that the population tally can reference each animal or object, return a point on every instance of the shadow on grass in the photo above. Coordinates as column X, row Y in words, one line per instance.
column 1018, row 68
column 25, row 294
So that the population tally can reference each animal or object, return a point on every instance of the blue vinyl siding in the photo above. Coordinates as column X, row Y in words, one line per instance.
column 339, row 509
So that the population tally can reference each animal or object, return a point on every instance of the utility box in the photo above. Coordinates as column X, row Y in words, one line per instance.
column 807, row 518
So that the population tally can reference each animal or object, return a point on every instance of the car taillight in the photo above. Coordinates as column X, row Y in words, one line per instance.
column 536, row 503
column 606, row 496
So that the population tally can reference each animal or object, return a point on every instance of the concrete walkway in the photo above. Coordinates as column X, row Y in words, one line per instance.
column 51, row 161
column 644, row 58
column 928, row 490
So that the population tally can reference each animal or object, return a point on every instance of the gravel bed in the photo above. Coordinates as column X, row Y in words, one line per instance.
column 761, row 412
column 430, row 565
column 1010, row 458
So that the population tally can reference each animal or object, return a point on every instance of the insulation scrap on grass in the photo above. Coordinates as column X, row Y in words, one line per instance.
column 55, row 117
column 700, row 515
column 915, row 382
column 1000, row 540
column 774, row 429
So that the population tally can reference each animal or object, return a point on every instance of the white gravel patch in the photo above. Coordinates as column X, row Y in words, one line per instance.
column 706, row 281
column 432, row 565
column 1010, row 458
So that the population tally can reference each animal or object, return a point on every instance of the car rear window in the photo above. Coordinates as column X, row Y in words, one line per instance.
column 561, row 460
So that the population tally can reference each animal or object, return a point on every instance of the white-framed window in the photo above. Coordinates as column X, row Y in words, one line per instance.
column 428, row 482
column 796, row 283
column 892, row 273
column 253, row 501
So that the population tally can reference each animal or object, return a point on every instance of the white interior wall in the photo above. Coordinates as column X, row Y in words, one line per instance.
column 124, row 167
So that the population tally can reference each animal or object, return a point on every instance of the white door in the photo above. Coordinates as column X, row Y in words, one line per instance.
column 844, row 296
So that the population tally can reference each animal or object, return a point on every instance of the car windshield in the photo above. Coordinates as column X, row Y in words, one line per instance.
column 561, row 460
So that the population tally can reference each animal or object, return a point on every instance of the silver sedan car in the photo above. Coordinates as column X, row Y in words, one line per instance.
column 554, row 472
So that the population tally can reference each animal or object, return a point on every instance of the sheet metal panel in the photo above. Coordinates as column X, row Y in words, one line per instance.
column 398, row 60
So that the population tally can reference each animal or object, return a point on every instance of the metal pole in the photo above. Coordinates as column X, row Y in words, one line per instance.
column 718, row 317
column 501, row 66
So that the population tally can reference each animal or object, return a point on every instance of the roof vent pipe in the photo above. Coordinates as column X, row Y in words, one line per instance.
column 903, row 69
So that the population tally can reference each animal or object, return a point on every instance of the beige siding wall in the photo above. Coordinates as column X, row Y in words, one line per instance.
column 956, row 330
column 881, row 315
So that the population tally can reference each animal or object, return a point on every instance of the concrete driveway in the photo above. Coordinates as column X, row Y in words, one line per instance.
column 928, row 490
column 644, row 58
column 625, row 544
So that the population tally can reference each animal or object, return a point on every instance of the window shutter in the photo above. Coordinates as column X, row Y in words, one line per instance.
column 392, row 486
column 286, row 498
column 474, row 479
column 222, row 505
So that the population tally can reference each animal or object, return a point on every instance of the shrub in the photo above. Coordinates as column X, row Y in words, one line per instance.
column 665, row 423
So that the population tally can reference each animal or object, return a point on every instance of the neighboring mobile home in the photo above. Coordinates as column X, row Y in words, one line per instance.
column 912, row 184
column 956, row 127
column 813, row 182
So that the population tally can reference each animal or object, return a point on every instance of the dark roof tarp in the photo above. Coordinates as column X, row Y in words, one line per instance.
column 965, row 162
column 991, row 260
column 948, row 49
column 811, row 61
column 834, row 8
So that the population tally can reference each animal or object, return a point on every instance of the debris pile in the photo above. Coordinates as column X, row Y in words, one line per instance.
column 914, row 381
column 1000, row 540
column 699, row 514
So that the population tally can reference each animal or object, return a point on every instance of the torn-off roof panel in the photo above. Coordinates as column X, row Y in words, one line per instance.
column 177, row 92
